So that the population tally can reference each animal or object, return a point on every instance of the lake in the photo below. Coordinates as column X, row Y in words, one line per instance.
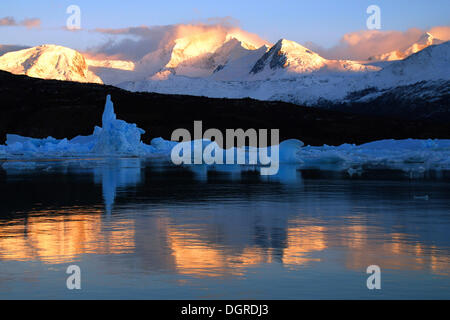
column 144, row 229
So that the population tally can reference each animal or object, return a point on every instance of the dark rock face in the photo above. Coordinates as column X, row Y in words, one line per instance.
column 40, row 108
column 278, row 59
column 261, row 63
column 219, row 67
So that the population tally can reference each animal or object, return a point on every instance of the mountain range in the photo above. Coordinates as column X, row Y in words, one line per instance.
column 237, row 68
column 292, row 73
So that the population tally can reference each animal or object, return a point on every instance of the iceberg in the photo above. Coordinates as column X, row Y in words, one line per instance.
column 117, row 138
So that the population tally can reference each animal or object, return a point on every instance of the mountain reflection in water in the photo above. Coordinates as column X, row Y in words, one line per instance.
column 130, row 218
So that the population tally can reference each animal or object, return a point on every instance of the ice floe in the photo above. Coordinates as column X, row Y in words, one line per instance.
column 117, row 138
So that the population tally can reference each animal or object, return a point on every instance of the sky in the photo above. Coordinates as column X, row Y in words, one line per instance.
column 322, row 22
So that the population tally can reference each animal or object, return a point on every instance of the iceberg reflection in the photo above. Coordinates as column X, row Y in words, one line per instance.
column 114, row 174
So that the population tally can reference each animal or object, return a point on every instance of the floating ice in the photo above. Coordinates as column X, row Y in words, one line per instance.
column 117, row 138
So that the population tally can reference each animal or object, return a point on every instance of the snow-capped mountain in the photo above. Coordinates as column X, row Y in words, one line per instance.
column 426, row 40
column 417, row 87
column 238, row 64
column 227, row 54
column 197, row 59
column 236, row 60
column 49, row 62
column 293, row 58
column 431, row 63
column 290, row 73
column 233, row 67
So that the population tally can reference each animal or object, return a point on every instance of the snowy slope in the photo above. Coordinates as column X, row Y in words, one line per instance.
column 111, row 64
column 307, row 89
column 237, row 67
column 49, row 62
column 432, row 63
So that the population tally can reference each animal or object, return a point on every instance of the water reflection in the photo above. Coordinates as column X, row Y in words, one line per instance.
column 54, row 238
column 117, row 173
column 149, row 218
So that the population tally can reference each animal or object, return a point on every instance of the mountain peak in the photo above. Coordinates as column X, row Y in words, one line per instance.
column 233, row 39
column 289, row 46
column 287, row 53
column 426, row 39
column 49, row 61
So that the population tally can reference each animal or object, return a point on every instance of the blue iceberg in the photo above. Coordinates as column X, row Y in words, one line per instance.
column 117, row 138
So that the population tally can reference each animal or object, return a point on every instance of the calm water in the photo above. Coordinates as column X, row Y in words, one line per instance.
column 140, row 229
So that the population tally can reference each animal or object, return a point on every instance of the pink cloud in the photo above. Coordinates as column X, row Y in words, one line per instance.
column 361, row 45
column 29, row 23
column 442, row 32
column 7, row 21
column 135, row 42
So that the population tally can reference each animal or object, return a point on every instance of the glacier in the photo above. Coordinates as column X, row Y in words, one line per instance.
column 118, row 139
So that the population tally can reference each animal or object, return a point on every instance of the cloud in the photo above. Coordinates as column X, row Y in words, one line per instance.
column 135, row 42
column 441, row 32
column 28, row 23
column 361, row 45
column 7, row 21
column 131, row 43
column 31, row 23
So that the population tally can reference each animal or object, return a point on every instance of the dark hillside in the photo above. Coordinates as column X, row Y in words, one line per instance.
column 40, row 108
